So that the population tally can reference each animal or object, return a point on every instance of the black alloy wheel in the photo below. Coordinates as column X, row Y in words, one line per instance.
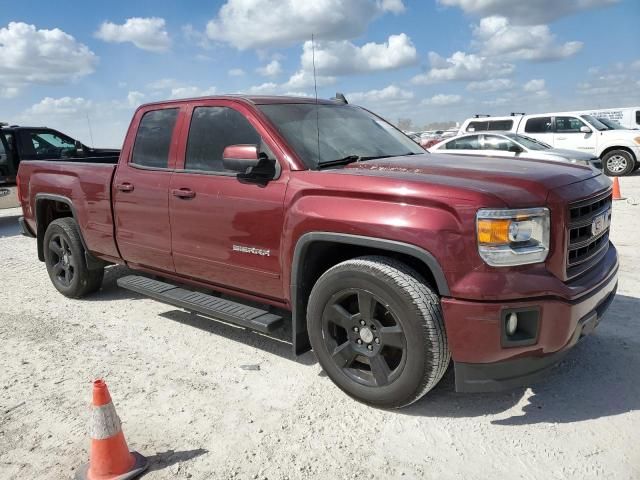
column 377, row 329
column 64, row 262
column 364, row 337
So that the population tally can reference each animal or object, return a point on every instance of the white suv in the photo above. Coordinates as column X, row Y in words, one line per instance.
column 619, row 150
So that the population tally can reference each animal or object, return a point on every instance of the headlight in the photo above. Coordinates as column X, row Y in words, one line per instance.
column 579, row 162
column 513, row 237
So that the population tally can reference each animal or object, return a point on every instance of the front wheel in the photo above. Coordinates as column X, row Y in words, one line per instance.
column 618, row 163
column 378, row 332
column 65, row 260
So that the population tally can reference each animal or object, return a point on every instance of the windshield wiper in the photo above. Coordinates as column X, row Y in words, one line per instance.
column 357, row 158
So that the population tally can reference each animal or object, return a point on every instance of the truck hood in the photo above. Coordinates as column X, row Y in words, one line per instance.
column 517, row 183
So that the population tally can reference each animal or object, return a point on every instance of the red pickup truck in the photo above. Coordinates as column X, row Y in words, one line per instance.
column 392, row 261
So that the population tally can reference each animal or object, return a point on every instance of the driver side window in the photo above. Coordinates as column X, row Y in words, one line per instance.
column 493, row 142
column 568, row 125
column 213, row 129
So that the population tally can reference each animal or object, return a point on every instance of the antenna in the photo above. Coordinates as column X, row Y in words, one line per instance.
column 90, row 130
column 315, row 87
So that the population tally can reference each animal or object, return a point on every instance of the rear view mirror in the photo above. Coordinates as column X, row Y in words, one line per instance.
column 239, row 158
column 585, row 129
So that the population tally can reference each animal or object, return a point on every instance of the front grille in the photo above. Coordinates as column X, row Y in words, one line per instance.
column 585, row 247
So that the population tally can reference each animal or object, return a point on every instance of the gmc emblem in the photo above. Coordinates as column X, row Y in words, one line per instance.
column 600, row 223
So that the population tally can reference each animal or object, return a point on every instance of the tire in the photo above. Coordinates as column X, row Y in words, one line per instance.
column 65, row 260
column 618, row 163
column 403, row 351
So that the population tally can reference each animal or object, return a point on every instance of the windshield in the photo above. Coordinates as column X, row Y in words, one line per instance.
column 595, row 123
column 610, row 124
column 344, row 131
column 529, row 142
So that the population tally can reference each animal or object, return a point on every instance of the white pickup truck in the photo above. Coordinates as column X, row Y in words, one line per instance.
column 619, row 150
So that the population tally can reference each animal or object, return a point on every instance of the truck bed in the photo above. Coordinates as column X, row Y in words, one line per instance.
column 86, row 186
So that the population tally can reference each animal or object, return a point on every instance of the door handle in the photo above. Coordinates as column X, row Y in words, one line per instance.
column 125, row 187
column 183, row 193
column 561, row 138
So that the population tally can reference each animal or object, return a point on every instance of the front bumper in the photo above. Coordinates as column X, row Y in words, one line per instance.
column 482, row 360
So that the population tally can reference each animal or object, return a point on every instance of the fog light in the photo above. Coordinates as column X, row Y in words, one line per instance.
column 512, row 324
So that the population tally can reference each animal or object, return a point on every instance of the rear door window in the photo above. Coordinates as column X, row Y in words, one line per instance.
column 153, row 139
column 539, row 125
column 465, row 143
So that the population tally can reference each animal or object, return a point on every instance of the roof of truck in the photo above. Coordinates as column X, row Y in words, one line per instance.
column 254, row 99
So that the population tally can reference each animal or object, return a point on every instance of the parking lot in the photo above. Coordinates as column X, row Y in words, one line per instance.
column 203, row 399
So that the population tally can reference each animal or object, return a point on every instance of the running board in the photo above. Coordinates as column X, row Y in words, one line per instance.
column 218, row 308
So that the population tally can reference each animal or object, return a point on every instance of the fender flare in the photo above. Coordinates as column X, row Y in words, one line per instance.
column 300, row 338
column 92, row 262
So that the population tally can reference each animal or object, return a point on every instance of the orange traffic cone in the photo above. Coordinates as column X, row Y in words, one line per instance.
column 109, row 458
column 616, row 189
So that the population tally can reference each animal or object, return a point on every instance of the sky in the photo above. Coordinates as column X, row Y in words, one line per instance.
column 83, row 67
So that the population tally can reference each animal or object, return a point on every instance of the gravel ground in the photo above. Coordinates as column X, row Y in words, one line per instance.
column 203, row 399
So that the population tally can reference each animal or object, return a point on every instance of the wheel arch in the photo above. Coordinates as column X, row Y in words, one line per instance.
column 50, row 207
column 316, row 252
column 614, row 148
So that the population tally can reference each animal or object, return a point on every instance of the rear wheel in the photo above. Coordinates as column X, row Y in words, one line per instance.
column 378, row 332
column 617, row 163
column 65, row 260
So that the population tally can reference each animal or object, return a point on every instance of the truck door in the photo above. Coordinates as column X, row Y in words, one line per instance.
column 568, row 135
column 225, row 231
column 141, row 190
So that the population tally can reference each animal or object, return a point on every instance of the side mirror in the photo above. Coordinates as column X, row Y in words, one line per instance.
column 585, row 129
column 79, row 147
column 515, row 148
column 239, row 158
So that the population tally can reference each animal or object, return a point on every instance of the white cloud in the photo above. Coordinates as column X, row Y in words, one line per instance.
column 9, row 92
column 32, row 56
column 135, row 98
column 304, row 79
column 343, row 57
column 145, row 33
column 271, row 69
column 462, row 66
column 236, row 72
column 267, row 88
column 393, row 6
column 527, row 12
column 390, row 94
column 190, row 91
column 164, row 84
column 65, row 106
column 196, row 37
column 492, row 85
column 280, row 23
column 496, row 36
column 534, row 85
column 102, row 124
column 442, row 100
column 613, row 83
